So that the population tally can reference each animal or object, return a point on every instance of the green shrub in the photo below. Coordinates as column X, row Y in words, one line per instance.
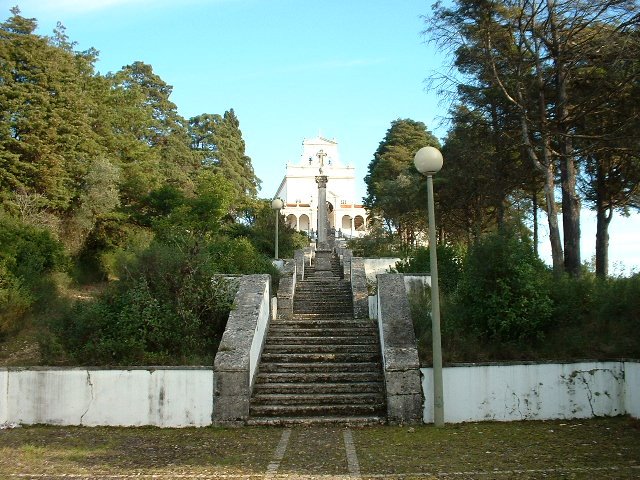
column 169, row 305
column 503, row 292
column 450, row 260
column 28, row 256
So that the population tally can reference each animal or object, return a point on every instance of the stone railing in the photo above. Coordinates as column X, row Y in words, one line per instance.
column 399, row 352
column 236, row 362
column 299, row 259
column 287, row 289
column 359, row 288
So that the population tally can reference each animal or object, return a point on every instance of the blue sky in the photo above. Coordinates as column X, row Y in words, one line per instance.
column 289, row 68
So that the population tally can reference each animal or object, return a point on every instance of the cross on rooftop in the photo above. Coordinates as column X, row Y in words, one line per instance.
column 321, row 156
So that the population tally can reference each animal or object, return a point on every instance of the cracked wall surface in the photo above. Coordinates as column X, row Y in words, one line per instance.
column 164, row 397
column 532, row 391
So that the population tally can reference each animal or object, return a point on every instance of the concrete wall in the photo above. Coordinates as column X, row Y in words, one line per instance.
column 374, row 266
column 632, row 388
column 239, row 352
column 164, row 397
column 533, row 391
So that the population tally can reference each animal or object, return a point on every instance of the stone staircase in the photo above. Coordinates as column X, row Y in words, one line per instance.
column 321, row 366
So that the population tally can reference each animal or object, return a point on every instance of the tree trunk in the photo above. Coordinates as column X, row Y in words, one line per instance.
column 603, row 215
column 534, row 202
column 570, row 200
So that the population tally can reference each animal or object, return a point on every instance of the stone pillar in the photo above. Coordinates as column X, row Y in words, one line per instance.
column 323, row 250
column 321, row 180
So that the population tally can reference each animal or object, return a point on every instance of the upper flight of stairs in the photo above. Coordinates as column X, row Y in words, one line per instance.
column 321, row 366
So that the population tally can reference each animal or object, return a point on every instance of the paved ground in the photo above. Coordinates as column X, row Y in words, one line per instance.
column 599, row 448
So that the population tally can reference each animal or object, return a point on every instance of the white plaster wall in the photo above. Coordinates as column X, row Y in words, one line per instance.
column 4, row 378
column 374, row 266
column 528, row 392
column 373, row 307
column 262, row 325
column 632, row 388
column 163, row 397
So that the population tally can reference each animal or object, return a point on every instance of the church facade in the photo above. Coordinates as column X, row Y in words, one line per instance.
column 299, row 191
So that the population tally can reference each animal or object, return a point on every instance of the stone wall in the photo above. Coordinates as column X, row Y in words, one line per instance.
column 286, row 289
column 399, row 351
column 236, row 362
column 298, row 257
column 359, row 288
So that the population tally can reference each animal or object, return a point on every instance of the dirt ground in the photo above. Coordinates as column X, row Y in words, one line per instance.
column 601, row 448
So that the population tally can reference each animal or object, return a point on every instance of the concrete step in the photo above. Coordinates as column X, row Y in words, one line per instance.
column 312, row 349
column 348, row 421
column 318, row 387
column 324, row 323
column 324, row 367
column 353, row 340
column 319, row 375
column 295, row 330
column 352, row 357
column 329, row 409
column 316, row 399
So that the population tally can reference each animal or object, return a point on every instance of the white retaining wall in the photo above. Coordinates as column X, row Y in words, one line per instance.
column 535, row 391
column 374, row 266
column 164, row 397
column 632, row 388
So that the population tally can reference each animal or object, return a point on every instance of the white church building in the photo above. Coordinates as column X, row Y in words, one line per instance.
column 299, row 191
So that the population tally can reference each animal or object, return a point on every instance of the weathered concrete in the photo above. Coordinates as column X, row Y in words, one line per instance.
column 359, row 288
column 632, row 388
column 286, row 289
column 532, row 391
column 347, row 255
column 298, row 257
column 399, row 352
column 163, row 397
column 323, row 261
column 236, row 362
column 375, row 266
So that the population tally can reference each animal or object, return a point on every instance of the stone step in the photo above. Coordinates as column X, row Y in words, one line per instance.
column 329, row 409
column 316, row 377
column 315, row 348
column 353, row 357
column 322, row 322
column 354, row 340
column 316, row 399
column 348, row 421
column 305, row 368
column 296, row 331
column 319, row 387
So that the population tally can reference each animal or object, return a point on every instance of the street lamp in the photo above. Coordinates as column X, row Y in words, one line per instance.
column 428, row 161
column 277, row 204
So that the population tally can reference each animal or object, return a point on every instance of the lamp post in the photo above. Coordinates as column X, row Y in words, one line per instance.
column 277, row 204
column 428, row 161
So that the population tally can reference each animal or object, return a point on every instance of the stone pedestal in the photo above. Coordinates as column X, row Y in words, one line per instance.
column 323, row 260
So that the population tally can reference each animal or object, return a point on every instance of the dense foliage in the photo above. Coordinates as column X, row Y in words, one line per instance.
column 502, row 303
column 101, row 179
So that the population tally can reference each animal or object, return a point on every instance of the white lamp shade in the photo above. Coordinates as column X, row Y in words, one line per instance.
column 277, row 204
column 428, row 160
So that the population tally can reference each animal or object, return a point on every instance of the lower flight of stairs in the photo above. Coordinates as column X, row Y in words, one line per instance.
column 321, row 366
